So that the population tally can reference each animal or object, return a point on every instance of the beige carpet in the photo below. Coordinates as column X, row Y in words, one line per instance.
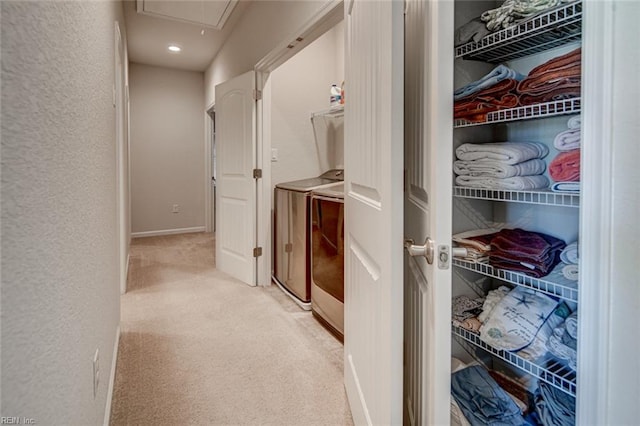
column 200, row 348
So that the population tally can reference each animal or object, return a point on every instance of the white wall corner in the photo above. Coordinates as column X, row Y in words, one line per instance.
column 112, row 379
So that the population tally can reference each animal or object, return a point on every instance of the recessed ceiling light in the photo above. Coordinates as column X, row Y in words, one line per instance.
column 174, row 48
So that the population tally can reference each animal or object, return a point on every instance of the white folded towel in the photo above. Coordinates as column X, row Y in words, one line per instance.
column 574, row 122
column 571, row 272
column 568, row 140
column 570, row 187
column 570, row 254
column 498, row 169
column 515, row 183
column 507, row 152
column 571, row 324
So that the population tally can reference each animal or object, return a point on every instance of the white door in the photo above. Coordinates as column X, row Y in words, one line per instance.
column 427, row 204
column 373, row 211
column 236, row 187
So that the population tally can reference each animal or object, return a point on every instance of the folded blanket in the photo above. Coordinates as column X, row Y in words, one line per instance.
column 565, row 167
column 574, row 122
column 555, row 407
column 556, row 79
column 463, row 307
column 480, row 239
column 531, row 253
column 568, row 140
column 512, row 12
column 482, row 401
column 571, row 272
column 570, row 253
column 474, row 30
column 567, row 61
column 572, row 187
column 558, row 94
column 497, row 169
column 516, row 183
column 538, row 347
column 496, row 75
column 516, row 319
column 571, row 324
column 506, row 152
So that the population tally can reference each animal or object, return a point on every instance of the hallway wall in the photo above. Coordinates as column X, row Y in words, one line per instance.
column 167, row 151
column 60, row 289
column 263, row 26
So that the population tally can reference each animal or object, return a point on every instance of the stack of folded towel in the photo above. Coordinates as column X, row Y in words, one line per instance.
column 503, row 165
column 477, row 243
column 538, row 347
column 571, row 260
column 492, row 92
column 531, row 253
column 564, row 169
column 556, row 79
column 562, row 343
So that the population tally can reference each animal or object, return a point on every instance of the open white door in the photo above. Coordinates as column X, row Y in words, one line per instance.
column 373, row 212
column 428, row 159
column 236, row 186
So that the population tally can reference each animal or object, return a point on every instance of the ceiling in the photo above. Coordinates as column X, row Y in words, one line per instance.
column 149, row 35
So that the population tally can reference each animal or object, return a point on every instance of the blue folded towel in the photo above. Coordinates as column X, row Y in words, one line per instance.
column 498, row 74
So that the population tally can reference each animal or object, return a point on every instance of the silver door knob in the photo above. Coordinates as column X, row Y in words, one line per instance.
column 426, row 250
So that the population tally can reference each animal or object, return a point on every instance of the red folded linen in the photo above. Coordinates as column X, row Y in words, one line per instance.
column 566, row 167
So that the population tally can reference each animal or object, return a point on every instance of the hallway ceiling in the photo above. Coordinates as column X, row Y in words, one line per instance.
column 148, row 36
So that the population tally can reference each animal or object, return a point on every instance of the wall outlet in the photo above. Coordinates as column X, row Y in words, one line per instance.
column 96, row 372
column 176, row 208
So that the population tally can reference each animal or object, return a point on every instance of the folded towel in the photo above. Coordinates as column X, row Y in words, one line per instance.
column 479, row 239
column 574, row 122
column 499, row 73
column 566, row 167
column 562, row 346
column 497, row 169
column 516, row 183
column 512, row 12
column 506, row 152
column 570, row 253
column 556, row 79
column 516, row 319
column 474, row 30
column 567, row 140
column 570, row 187
column 571, row 324
column 571, row 272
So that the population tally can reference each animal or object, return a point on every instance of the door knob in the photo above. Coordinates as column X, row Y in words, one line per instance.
column 426, row 250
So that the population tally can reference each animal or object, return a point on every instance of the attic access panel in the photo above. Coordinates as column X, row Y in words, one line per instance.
column 212, row 14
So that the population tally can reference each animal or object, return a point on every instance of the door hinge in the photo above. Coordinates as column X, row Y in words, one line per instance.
column 257, row 252
column 257, row 173
column 257, row 95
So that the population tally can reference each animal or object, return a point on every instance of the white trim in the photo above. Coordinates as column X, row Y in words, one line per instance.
column 168, row 232
column 596, row 232
column 208, row 170
column 306, row 306
column 112, row 379
column 126, row 274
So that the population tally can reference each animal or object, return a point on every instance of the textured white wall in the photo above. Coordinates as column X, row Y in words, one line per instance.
column 60, row 290
column 167, row 148
column 261, row 28
column 300, row 86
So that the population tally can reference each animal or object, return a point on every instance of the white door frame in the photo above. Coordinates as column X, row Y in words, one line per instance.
column 208, row 166
column 122, row 166
column 322, row 21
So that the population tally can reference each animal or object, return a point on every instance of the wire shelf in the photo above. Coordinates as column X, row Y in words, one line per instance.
column 547, row 109
column 548, row 197
column 547, row 30
column 554, row 284
column 553, row 372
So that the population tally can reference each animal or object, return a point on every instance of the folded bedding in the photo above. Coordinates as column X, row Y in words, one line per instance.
column 571, row 272
column 498, row 74
column 474, row 30
column 571, row 187
column 574, row 122
column 563, row 347
column 491, row 300
column 531, row 253
column 516, row 319
column 554, row 406
column 556, row 79
column 477, row 109
column 506, row 152
column 513, row 12
column 571, row 325
column 497, row 169
column 570, row 253
column 515, row 183
column 568, row 140
column 565, row 167
column 538, row 347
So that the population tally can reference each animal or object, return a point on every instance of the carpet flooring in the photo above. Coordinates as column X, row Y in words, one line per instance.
column 200, row 348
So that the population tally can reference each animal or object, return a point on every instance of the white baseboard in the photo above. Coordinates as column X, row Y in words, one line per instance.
column 112, row 379
column 167, row 232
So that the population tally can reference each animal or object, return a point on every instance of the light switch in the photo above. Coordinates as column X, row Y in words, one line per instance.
column 274, row 154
